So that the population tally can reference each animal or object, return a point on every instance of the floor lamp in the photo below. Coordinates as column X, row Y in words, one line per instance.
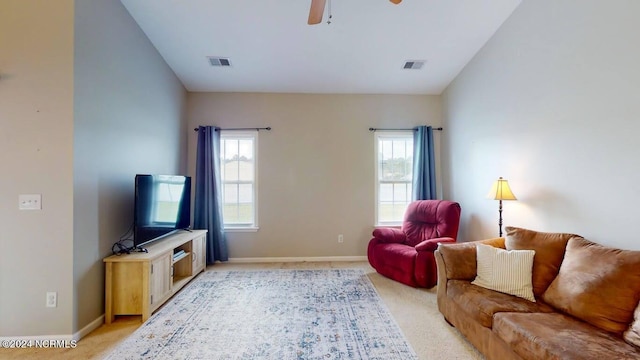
column 501, row 191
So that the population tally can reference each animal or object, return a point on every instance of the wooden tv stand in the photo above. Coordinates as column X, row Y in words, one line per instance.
column 138, row 283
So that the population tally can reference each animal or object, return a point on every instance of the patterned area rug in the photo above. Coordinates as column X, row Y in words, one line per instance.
column 275, row 314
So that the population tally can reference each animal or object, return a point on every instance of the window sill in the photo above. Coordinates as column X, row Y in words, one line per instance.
column 243, row 229
column 378, row 226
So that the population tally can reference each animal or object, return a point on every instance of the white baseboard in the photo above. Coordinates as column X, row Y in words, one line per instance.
column 38, row 338
column 76, row 336
column 89, row 328
column 296, row 259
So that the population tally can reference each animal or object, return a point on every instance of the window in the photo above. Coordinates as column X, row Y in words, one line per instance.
column 394, row 174
column 238, row 164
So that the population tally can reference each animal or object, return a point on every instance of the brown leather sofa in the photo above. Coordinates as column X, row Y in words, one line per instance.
column 587, row 299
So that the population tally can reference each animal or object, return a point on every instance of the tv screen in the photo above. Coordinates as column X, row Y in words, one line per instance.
column 162, row 205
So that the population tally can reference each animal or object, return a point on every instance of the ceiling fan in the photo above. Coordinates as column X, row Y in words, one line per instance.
column 317, row 9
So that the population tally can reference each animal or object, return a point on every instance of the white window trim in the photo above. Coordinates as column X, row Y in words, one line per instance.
column 253, row 134
column 241, row 229
column 378, row 135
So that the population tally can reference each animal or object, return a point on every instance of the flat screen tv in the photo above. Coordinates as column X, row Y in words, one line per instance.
column 162, row 206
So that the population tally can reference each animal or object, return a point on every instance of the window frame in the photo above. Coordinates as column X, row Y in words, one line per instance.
column 381, row 134
column 241, row 135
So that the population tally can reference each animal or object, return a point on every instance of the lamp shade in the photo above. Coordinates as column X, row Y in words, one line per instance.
column 501, row 190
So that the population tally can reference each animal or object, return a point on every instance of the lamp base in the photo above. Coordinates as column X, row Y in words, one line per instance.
column 500, row 218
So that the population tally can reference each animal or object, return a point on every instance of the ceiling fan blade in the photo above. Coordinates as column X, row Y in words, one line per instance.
column 396, row 1
column 316, row 11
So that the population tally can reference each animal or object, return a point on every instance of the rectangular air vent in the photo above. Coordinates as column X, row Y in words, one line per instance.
column 218, row 61
column 414, row 64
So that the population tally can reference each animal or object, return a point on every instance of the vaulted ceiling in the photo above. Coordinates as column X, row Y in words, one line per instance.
column 271, row 48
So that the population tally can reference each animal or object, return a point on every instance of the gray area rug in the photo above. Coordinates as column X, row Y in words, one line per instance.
column 273, row 314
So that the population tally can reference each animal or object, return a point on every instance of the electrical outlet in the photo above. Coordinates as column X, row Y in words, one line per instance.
column 52, row 299
column 340, row 238
column 30, row 202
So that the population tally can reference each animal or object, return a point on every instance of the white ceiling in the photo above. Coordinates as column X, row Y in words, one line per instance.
column 363, row 50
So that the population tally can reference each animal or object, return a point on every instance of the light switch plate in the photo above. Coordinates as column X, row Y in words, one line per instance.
column 30, row 202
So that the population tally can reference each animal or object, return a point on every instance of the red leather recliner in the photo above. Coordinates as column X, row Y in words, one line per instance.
column 406, row 254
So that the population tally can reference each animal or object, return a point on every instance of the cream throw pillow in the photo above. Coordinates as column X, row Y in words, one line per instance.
column 506, row 271
column 632, row 335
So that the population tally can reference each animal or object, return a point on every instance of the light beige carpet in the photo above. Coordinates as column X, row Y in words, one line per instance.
column 414, row 310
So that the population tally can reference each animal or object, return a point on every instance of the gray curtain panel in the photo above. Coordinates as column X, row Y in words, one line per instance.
column 424, row 165
column 208, row 194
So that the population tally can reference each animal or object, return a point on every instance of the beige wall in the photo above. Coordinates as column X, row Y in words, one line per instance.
column 316, row 167
column 552, row 104
column 79, row 117
column 130, row 117
column 36, row 157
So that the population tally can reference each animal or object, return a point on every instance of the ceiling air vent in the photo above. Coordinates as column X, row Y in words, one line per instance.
column 218, row 61
column 414, row 64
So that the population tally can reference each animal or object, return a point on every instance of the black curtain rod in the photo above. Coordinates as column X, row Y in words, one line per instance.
column 410, row 129
column 234, row 129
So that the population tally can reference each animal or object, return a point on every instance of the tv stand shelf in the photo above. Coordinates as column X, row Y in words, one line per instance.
column 180, row 257
column 138, row 283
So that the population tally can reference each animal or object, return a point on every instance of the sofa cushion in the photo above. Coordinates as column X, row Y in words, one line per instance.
column 549, row 248
column 557, row 336
column 597, row 284
column 505, row 271
column 462, row 258
column 480, row 303
column 632, row 335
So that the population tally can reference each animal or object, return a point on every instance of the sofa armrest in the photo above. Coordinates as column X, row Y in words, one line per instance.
column 389, row 235
column 431, row 245
column 441, row 284
column 459, row 259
